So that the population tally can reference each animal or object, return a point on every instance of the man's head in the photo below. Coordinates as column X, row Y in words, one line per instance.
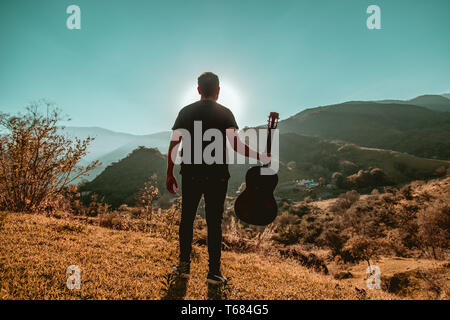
column 208, row 86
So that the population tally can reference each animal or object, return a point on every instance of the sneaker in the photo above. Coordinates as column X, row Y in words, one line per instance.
column 216, row 278
column 183, row 269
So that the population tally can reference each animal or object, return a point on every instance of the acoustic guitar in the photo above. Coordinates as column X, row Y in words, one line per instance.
column 256, row 204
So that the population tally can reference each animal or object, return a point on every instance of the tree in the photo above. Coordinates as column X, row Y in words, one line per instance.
column 338, row 179
column 362, row 248
column 434, row 228
column 37, row 161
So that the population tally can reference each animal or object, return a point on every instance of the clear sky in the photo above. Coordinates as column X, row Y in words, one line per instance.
column 134, row 63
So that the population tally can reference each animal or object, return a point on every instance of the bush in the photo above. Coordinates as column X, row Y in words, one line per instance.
column 348, row 167
column 299, row 209
column 367, row 178
column 434, row 229
column 344, row 201
column 361, row 248
column 307, row 260
column 334, row 240
column 37, row 162
column 337, row 179
column 147, row 194
column 287, row 230
column 111, row 220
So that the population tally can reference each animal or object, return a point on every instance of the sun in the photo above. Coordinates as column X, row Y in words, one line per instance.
column 228, row 97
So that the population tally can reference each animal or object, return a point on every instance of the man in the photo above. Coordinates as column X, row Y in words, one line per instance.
column 204, row 178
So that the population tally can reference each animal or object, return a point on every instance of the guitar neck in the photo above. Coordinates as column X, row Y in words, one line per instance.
column 269, row 141
column 271, row 124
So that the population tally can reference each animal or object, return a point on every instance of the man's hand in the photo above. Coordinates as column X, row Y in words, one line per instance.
column 265, row 158
column 171, row 183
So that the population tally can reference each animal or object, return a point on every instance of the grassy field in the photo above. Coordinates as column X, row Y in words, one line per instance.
column 35, row 252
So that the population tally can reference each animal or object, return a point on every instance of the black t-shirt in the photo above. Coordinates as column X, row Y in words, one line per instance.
column 212, row 115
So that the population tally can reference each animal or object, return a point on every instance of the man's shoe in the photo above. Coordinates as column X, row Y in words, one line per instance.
column 216, row 278
column 183, row 269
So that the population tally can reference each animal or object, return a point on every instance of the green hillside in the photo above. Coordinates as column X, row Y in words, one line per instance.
column 404, row 125
column 301, row 157
column 434, row 102
column 317, row 157
column 121, row 180
column 401, row 127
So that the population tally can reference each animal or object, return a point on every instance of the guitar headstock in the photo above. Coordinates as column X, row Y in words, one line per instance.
column 272, row 123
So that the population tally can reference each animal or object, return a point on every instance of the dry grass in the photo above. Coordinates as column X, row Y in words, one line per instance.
column 35, row 252
column 426, row 279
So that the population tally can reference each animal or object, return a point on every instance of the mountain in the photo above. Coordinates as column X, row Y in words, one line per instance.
column 105, row 140
column 110, row 146
column 401, row 127
column 367, row 130
column 446, row 95
column 407, row 126
column 121, row 180
column 439, row 103
column 301, row 157
column 433, row 102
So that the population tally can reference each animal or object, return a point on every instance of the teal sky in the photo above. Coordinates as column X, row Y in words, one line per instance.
column 132, row 63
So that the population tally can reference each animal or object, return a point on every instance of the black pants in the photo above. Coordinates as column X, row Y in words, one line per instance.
column 214, row 190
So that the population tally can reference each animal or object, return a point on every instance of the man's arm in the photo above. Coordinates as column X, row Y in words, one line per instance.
column 243, row 149
column 171, row 181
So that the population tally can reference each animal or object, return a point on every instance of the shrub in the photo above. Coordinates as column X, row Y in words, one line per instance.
column 338, row 179
column 343, row 275
column 37, row 161
column 367, row 178
column 348, row 167
column 299, row 209
column 361, row 248
column 307, row 260
column 287, row 230
column 147, row 194
column 334, row 240
column 344, row 201
column 110, row 220
column 434, row 228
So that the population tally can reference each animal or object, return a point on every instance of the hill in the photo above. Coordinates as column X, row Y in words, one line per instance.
column 110, row 146
column 35, row 252
column 321, row 157
column 408, row 129
column 302, row 157
column 121, row 180
column 401, row 127
column 122, row 255
column 434, row 102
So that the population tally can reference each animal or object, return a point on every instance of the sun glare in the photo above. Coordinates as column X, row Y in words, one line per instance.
column 228, row 97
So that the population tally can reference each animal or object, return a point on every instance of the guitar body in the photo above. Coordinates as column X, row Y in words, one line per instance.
column 257, row 205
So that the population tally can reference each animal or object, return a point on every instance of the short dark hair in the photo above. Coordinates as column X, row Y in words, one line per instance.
column 208, row 84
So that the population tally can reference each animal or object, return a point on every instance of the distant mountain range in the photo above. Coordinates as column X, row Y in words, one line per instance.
column 417, row 130
column 110, row 146
column 302, row 157
column 429, row 101
column 420, row 126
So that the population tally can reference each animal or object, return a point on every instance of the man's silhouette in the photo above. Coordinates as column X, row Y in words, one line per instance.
column 209, row 180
